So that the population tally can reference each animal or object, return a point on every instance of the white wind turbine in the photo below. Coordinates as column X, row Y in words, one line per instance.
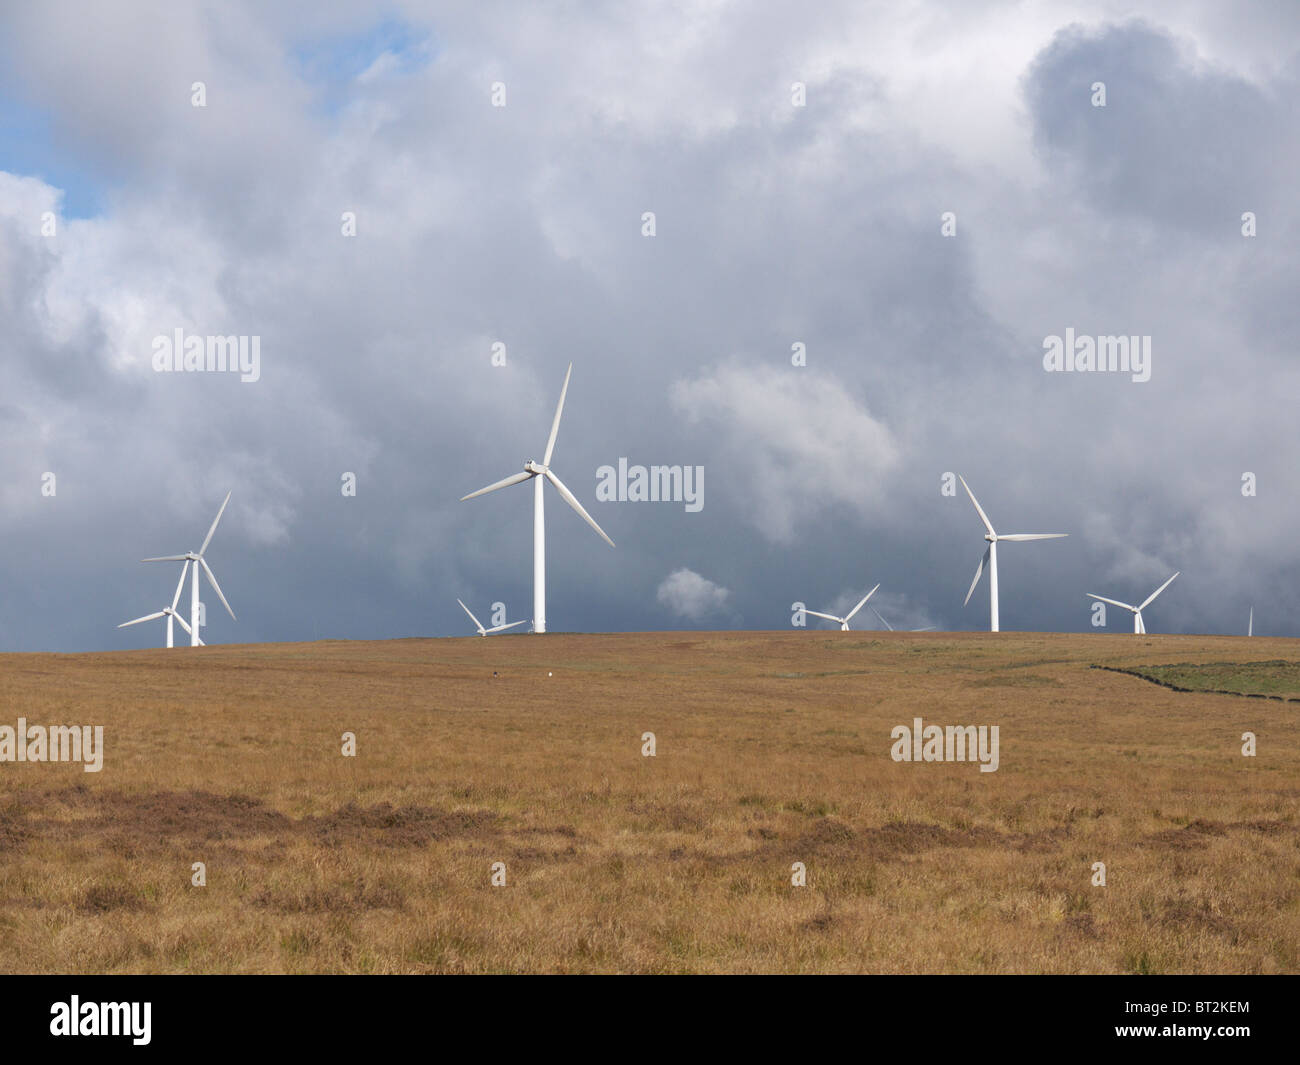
column 198, row 560
column 1250, row 625
column 478, row 625
column 169, row 612
column 844, row 621
column 928, row 628
column 542, row 471
column 1139, row 626
column 991, row 556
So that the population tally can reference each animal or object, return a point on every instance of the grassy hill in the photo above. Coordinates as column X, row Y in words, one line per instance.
column 771, row 749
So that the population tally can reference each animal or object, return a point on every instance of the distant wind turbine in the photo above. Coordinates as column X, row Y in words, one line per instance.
column 196, row 557
column 928, row 628
column 478, row 625
column 844, row 621
column 169, row 612
column 542, row 471
column 1139, row 626
column 1250, row 627
column 991, row 555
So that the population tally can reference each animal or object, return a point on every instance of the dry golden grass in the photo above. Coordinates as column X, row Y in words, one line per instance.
column 772, row 748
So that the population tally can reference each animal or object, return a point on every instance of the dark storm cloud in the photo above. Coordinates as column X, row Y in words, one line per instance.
column 1179, row 142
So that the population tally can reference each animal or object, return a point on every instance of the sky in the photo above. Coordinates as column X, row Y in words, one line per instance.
column 869, row 219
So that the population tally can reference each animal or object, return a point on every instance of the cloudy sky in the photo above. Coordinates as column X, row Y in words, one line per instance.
column 782, row 217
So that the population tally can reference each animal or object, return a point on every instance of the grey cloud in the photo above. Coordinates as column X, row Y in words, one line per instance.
column 522, row 225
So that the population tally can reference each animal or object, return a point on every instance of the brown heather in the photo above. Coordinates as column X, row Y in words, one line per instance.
column 772, row 748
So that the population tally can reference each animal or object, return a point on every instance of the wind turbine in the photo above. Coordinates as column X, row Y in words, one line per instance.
column 844, row 621
column 169, row 612
column 1250, row 627
column 542, row 471
column 1139, row 626
column 928, row 628
column 991, row 555
column 481, row 630
column 198, row 560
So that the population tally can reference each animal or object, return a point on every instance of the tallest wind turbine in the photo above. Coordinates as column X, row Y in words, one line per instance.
column 542, row 472
column 991, row 555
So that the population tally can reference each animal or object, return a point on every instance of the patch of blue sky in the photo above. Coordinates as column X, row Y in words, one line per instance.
column 333, row 64
column 29, row 147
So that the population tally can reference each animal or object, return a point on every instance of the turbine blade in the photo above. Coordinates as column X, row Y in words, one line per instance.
column 216, row 587
column 180, row 584
column 1250, row 627
column 882, row 620
column 859, row 606
column 147, row 617
column 208, row 539
column 828, row 617
column 1114, row 602
column 928, row 628
column 555, row 425
column 1152, row 596
column 184, row 624
column 573, row 502
column 505, row 482
column 167, row 558
column 471, row 616
column 502, row 628
column 983, row 517
column 1033, row 536
column 979, row 570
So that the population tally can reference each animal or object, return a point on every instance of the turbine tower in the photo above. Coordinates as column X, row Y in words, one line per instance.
column 478, row 625
column 542, row 472
column 991, row 555
column 169, row 612
column 198, row 560
column 1139, row 626
column 844, row 621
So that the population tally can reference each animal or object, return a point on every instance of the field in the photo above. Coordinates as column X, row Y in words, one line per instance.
column 771, row 749
column 1267, row 680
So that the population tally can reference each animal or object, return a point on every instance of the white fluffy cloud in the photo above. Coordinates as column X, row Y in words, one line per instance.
column 796, row 440
column 689, row 595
